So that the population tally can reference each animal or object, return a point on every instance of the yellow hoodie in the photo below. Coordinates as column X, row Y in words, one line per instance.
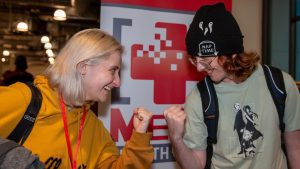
column 47, row 138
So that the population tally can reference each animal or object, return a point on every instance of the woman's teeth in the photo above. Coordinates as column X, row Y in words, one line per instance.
column 107, row 88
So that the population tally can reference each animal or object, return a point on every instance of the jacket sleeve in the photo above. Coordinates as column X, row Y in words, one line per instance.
column 14, row 100
column 137, row 154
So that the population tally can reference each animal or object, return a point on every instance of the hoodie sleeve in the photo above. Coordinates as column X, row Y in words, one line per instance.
column 137, row 153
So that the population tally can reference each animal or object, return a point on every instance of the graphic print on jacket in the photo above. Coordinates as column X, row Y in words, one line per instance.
column 55, row 162
column 244, row 125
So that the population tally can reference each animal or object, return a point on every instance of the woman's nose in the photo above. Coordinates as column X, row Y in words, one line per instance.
column 117, row 81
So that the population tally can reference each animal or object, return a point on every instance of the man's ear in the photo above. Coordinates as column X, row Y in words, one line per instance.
column 81, row 67
column 191, row 61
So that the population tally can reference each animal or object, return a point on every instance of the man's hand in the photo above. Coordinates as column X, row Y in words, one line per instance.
column 175, row 117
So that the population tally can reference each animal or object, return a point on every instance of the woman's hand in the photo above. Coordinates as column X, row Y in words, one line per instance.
column 141, row 119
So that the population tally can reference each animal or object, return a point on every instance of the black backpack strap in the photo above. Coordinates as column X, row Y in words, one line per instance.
column 24, row 127
column 211, row 115
column 276, row 86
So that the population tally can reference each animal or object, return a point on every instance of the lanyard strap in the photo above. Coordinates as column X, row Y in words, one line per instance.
column 64, row 116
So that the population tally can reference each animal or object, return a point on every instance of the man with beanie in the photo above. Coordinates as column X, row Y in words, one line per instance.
column 248, row 133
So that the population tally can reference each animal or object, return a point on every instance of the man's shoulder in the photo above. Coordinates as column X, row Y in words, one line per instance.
column 17, row 76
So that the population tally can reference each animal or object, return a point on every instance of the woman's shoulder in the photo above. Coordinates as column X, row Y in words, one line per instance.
column 95, row 121
column 19, row 91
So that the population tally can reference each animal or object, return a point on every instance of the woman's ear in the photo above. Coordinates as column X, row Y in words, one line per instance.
column 81, row 67
column 234, row 56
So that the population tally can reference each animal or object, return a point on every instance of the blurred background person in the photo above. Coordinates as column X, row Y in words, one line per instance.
column 19, row 74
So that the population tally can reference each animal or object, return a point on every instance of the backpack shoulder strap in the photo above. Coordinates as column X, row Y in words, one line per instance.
column 210, row 107
column 276, row 86
column 211, row 114
column 24, row 127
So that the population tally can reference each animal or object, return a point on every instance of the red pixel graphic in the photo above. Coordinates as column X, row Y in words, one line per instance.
column 167, row 64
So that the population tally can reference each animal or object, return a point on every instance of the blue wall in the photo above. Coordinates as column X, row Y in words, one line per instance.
column 298, row 42
column 279, row 23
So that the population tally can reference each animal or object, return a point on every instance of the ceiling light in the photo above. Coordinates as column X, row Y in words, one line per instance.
column 45, row 39
column 3, row 59
column 50, row 55
column 49, row 51
column 48, row 45
column 22, row 27
column 5, row 53
column 60, row 15
column 51, row 60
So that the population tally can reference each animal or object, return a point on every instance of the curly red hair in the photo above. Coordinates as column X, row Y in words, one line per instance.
column 241, row 66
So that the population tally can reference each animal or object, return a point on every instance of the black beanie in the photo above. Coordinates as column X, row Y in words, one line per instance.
column 214, row 32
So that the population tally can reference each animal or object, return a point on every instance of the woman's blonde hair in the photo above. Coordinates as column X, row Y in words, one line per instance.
column 88, row 46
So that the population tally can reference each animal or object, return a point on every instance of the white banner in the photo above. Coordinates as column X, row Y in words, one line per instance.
column 155, row 71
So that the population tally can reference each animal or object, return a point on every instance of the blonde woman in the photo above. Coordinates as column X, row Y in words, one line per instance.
column 66, row 133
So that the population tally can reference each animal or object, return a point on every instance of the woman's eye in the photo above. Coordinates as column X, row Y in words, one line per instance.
column 113, row 71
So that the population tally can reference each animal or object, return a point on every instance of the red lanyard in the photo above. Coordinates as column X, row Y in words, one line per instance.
column 64, row 116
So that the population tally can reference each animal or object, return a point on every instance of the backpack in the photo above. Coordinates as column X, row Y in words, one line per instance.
column 275, row 83
column 14, row 155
